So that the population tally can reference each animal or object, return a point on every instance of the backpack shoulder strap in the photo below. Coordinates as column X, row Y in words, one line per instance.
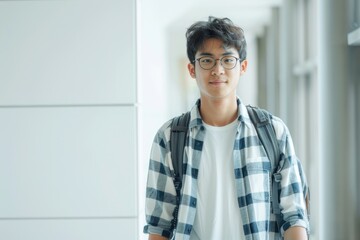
column 266, row 132
column 262, row 122
column 179, row 129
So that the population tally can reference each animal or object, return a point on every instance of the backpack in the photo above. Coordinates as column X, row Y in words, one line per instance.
column 267, row 136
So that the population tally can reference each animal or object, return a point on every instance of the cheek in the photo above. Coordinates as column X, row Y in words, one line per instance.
column 203, row 74
column 238, row 72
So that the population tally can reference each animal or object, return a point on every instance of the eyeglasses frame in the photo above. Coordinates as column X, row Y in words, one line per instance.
column 218, row 59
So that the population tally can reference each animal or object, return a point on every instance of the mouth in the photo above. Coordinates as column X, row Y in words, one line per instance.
column 217, row 82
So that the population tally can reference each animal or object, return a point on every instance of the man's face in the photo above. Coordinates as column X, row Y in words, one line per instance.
column 217, row 82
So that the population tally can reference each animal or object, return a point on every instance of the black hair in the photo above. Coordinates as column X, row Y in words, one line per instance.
column 218, row 28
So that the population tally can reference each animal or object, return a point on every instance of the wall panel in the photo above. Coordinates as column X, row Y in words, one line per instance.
column 67, row 52
column 68, row 162
column 70, row 229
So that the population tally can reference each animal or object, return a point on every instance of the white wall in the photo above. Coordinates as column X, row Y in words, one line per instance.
column 68, row 120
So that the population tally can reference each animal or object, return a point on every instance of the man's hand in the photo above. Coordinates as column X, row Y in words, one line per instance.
column 295, row 233
column 157, row 237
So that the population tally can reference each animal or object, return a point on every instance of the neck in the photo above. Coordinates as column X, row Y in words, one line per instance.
column 218, row 112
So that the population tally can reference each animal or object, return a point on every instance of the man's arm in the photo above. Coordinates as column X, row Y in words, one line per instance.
column 156, row 237
column 160, row 201
column 295, row 233
column 292, row 202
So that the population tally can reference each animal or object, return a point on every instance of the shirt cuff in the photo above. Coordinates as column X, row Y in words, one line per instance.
column 295, row 223
column 157, row 230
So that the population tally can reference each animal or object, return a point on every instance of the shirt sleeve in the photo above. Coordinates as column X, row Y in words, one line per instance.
column 160, row 190
column 292, row 202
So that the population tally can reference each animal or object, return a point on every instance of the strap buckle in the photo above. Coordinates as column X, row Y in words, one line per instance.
column 277, row 177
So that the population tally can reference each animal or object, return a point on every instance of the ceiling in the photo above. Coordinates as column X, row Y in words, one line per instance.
column 252, row 15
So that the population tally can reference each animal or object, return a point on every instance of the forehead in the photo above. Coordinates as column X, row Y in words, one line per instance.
column 214, row 47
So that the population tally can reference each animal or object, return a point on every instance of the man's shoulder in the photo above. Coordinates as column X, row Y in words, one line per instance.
column 279, row 126
column 165, row 127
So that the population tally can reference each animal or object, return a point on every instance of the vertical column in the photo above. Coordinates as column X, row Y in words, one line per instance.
column 333, row 133
column 262, row 73
column 272, row 64
column 354, row 92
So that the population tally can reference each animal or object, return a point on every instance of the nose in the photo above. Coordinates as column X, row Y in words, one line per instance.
column 218, row 69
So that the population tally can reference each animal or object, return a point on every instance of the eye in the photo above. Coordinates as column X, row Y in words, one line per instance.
column 228, row 59
column 206, row 60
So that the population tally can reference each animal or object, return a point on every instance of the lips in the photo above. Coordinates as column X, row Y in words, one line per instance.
column 217, row 82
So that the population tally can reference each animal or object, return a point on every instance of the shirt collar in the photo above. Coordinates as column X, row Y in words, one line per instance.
column 196, row 121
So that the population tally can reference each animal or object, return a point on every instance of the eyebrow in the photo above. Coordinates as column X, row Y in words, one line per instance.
column 210, row 54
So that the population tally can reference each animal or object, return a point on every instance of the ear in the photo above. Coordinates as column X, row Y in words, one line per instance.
column 191, row 68
column 243, row 66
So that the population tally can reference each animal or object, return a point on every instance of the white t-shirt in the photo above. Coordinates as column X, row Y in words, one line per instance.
column 217, row 211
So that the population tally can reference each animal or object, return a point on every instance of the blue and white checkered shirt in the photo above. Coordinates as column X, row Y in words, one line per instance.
column 251, row 166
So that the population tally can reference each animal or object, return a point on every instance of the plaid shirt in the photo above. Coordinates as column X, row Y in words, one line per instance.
column 251, row 166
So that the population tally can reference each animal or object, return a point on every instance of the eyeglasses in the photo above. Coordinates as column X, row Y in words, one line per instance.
column 207, row 63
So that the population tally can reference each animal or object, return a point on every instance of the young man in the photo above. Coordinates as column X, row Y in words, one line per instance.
column 226, row 184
